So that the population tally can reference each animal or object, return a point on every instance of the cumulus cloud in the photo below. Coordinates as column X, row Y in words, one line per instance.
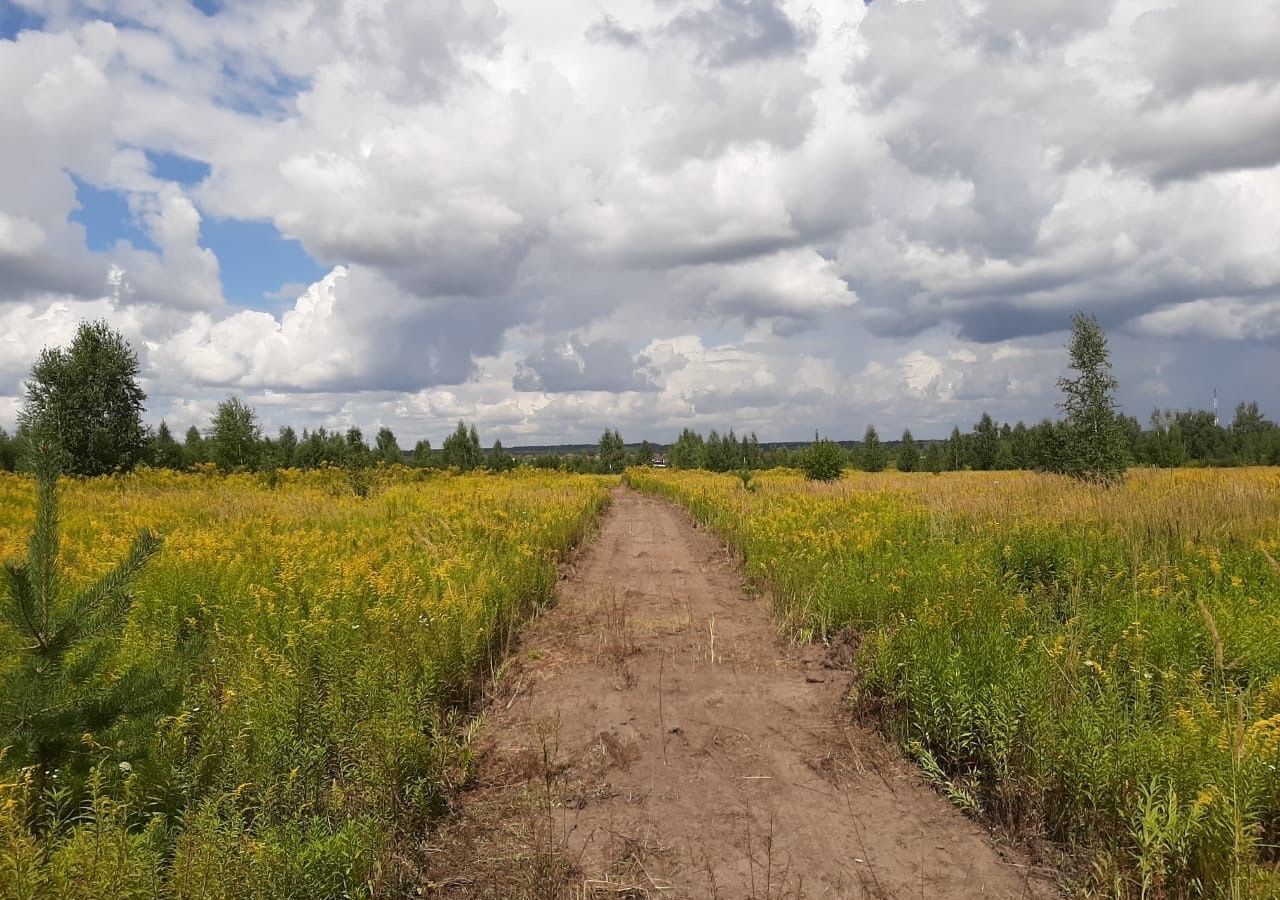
column 1178, row 61
column 609, row 30
column 1226, row 320
column 736, row 31
column 577, row 365
column 352, row 330
column 780, row 213
column 1004, row 24
column 183, row 273
column 25, row 328
column 792, row 284
column 56, row 107
column 1219, row 130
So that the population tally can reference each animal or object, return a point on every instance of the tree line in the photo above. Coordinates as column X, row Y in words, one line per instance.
column 84, row 403
column 86, row 400
column 1172, row 439
column 1093, row 439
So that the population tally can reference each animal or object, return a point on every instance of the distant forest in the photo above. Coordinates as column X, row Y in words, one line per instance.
column 234, row 441
column 1172, row 439
column 84, row 402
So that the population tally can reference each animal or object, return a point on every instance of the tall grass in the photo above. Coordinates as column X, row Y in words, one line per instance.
column 340, row 636
column 1100, row 667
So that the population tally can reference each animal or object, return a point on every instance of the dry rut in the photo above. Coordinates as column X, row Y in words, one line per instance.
column 653, row 737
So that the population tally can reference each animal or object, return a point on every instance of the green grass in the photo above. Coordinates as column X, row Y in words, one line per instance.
column 335, row 642
column 1097, row 668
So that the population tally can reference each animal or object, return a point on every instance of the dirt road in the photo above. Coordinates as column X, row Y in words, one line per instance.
column 654, row 737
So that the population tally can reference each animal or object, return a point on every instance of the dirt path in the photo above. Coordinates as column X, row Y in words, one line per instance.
column 654, row 738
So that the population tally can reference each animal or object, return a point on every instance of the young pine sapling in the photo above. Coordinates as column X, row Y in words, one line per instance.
column 57, row 686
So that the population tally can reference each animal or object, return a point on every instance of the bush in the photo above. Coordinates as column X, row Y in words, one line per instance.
column 823, row 460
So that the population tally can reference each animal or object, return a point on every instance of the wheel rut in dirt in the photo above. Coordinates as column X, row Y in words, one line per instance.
column 654, row 737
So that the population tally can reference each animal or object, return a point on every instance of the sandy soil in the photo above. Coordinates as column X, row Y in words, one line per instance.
column 654, row 737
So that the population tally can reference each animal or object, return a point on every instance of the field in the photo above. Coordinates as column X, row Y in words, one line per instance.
column 1100, row 668
column 1096, row 668
column 312, row 645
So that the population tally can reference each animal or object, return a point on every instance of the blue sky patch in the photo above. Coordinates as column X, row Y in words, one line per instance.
column 106, row 218
column 271, row 96
column 14, row 19
column 174, row 167
column 256, row 260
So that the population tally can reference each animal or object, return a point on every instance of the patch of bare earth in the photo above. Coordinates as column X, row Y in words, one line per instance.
column 654, row 737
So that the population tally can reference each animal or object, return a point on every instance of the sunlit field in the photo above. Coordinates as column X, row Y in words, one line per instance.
column 315, row 646
column 1100, row 668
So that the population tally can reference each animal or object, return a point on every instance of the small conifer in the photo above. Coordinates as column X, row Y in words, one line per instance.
column 56, row 688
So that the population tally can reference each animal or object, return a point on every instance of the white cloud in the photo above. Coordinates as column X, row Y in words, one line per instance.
column 20, row 237
column 578, row 365
column 791, row 284
column 52, row 320
column 784, row 213
column 353, row 330
column 1220, row 319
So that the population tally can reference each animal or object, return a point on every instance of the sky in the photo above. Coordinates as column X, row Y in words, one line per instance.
column 558, row 217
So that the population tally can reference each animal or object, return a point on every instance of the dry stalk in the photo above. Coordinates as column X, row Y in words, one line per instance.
column 662, row 723
column 1219, row 660
column 1275, row 566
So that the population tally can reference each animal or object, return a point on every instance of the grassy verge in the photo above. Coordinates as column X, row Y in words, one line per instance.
column 1101, row 668
column 331, row 641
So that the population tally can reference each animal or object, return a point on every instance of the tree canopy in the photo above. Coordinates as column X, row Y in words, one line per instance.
column 386, row 448
column 87, row 400
column 611, row 452
column 234, row 436
column 1096, row 446
column 872, row 456
column 908, row 453
column 823, row 460
column 462, row 448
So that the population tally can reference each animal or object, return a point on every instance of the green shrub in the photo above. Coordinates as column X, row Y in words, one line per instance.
column 823, row 460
